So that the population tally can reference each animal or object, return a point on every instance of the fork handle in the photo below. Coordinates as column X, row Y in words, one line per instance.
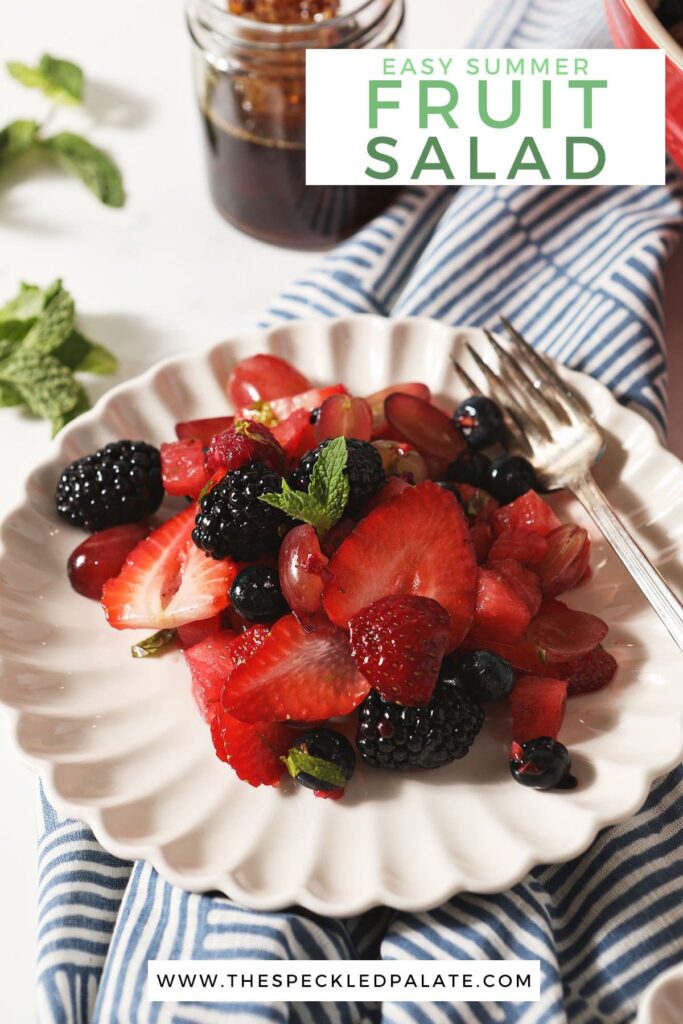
column 661, row 597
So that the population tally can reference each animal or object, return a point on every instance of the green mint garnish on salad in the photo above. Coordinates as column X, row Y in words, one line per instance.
column 328, row 491
column 61, row 81
column 153, row 645
column 298, row 761
column 41, row 349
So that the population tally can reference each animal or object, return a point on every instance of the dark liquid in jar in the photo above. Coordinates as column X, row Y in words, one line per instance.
column 258, row 184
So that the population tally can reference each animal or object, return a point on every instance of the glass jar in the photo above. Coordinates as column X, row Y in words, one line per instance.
column 251, row 84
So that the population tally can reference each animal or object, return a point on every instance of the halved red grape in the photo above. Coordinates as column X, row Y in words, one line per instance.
column 344, row 416
column 263, row 377
column 101, row 556
column 561, row 633
column 300, row 567
column 566, row 559
column 429, row 429
column 203, row 430
column 376, row 402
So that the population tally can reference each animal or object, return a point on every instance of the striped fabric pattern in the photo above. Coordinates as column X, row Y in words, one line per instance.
column 580, row 271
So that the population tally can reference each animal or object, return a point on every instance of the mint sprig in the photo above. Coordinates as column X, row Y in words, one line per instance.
column 154, row 644
column 328, row 491
column 59, row 80
column 40, row 350
column 62, row 82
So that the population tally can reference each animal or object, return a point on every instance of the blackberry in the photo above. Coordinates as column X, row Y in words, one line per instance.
column 480, row 421
column 233, row 523
column 364, row 469
column 397, row 737
column 256, row 595
column 322, row 760
column 120, row 483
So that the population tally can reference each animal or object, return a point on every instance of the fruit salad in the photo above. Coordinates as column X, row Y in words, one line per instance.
column 351, row 579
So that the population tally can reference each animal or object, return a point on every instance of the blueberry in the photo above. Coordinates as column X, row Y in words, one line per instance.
column 315, row 416
column 542, row 764
column 322, row 760
column 471, row 468
column 510, row 477
column 256, row 595
column 486, row 676
column 480, row 421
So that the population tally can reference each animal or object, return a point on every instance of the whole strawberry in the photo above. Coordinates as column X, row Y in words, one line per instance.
column 244, row 442
column 398, row 644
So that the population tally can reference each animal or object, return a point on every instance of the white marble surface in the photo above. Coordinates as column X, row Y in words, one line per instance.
column 163, row 275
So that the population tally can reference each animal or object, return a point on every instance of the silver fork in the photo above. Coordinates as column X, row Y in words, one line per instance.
column 549, row 425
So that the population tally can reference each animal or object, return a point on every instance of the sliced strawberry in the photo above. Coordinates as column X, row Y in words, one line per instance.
column 167, row 581
column 296, row 434
column 418, row 543
column 277, row 410
column 252, row 751
column 380, row 424
column 566, row 560
column 425, row 426
column 479, row 505
column 392, row 488
column 399, row 644
column 183, row 468
column 538, row 705
column 298, row 676
column 481, row 536
column 246, row 644
column 594, row 671
column 203, row 430
column 500, row 613
column 194, row 632
column 529, row 512
column 211, row 665
column 524, row 545
column 560, row 633
column 262, row 377
column 335, row 537
column 525, row 583
column 246, row 441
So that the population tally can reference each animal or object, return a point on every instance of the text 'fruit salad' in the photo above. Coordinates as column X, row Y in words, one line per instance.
column 345, row 566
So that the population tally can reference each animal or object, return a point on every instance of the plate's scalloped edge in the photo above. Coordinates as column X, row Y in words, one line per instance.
column 304, row 896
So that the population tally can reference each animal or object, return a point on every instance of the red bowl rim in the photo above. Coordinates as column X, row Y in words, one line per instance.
column 648, row 20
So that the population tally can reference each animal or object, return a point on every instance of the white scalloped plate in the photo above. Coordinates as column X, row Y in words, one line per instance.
column 120, row 745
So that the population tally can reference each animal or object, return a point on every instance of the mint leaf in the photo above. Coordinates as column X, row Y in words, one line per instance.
column 16, row 138
column 85, row 356
column 27, row 304
column 298, row 761
column 328, row 492
column 152, row 645
column 48, row 388
column 14, row 331
column 55, row 323
column 82, row 405
column 329, row 483
column 92, row 165
column 9, row 395
column 60, row 80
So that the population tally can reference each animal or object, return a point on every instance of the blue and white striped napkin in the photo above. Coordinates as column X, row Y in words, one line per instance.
column 579, row 271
